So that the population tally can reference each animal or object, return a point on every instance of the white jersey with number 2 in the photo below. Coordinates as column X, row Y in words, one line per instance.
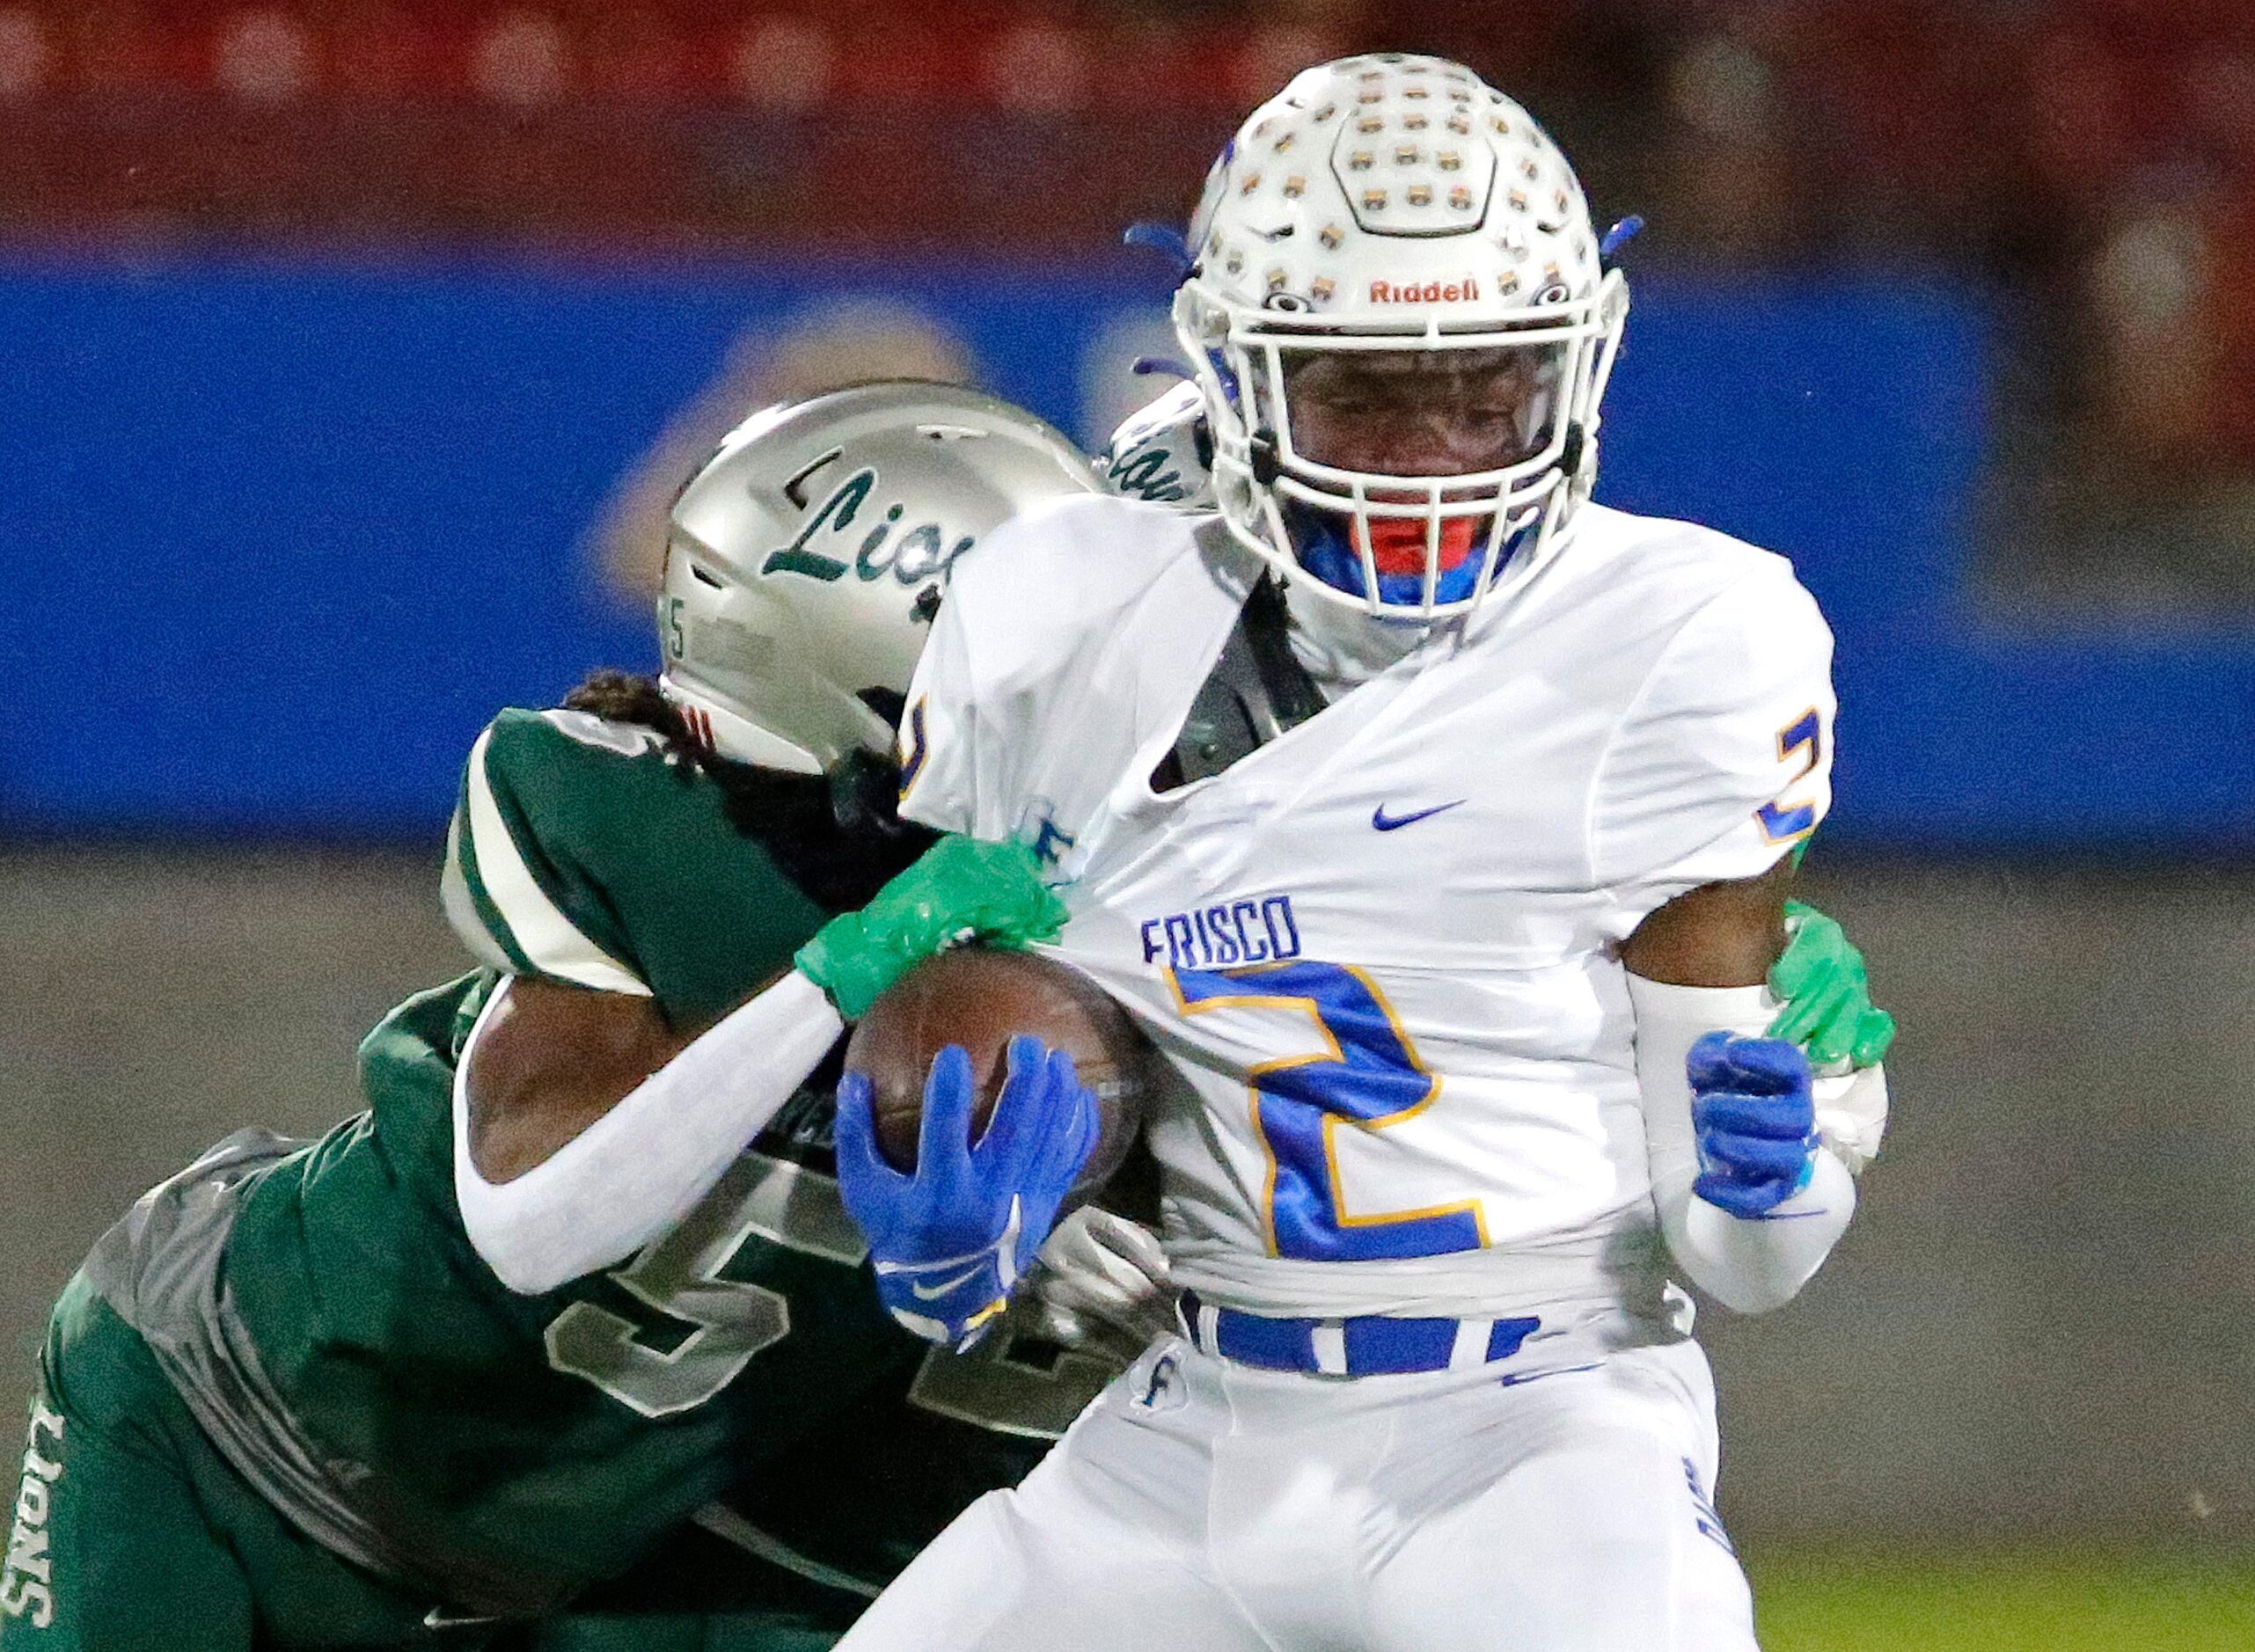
column 1381, row 949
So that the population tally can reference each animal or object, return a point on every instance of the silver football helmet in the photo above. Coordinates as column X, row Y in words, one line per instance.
column 809, row 554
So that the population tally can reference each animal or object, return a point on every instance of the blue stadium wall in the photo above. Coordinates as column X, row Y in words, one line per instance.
column 275, row 539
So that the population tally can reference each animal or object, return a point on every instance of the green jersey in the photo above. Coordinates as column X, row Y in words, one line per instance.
column 513, row 1448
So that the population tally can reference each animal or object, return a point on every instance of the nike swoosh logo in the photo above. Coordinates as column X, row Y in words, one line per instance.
column 439, row 1618
column 1386, row 822
column 1516, row 1378
column 932, row 1293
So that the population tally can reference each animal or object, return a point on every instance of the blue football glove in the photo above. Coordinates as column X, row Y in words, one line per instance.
column 1756, row 1122
column 951, row 1241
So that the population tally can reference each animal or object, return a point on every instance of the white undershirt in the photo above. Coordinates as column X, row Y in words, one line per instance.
column 1749, row 1265
column 636, row 1172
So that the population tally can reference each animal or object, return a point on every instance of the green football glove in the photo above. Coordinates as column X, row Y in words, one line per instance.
column 960, row 886
column 1827, row 1002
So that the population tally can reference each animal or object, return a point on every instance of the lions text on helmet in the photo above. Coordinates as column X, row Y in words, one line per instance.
column 807, row 556
column 1402, row 327
column 915, row 556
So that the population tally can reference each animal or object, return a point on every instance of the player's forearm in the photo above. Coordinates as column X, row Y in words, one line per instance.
column 1751, row 1265
column 639, row 1167
column 645, row 1161
column 1748, row 1264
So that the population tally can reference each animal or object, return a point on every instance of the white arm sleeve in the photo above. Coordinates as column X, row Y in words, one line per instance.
column 636, row 1172
column 1852, row 1113
column 1748, row 1266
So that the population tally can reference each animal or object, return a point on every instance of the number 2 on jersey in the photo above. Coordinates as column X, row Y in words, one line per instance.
column 1782, row 821
column 1367, row 1076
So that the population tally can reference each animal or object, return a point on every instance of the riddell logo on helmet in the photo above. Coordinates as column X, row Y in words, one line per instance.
column 1424, row 292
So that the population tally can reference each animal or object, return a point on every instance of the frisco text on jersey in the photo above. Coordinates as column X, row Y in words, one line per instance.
column 1253, row 930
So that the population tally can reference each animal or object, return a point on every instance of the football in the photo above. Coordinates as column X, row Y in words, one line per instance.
column 980, row 999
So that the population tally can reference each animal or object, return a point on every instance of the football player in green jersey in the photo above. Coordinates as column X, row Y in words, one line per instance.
column 571, row 1311
column 578, row 1267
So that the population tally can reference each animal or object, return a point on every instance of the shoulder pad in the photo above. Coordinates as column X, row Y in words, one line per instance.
column 626, row 740
column 1725, row 761
column 538, row 789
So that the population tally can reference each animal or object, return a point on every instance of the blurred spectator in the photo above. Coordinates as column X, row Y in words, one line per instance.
column 2154, row 377
column 831, row 344
column 1726, row 181
column 2095, row 158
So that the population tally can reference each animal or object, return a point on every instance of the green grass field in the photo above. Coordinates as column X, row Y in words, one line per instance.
column 2050, row 1601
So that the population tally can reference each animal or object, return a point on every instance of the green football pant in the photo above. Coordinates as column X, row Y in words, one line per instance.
column 130, row 1533
column 719, row 1633
column 696, row 1593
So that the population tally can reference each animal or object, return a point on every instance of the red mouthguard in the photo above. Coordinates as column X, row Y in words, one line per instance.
column 1398, row 543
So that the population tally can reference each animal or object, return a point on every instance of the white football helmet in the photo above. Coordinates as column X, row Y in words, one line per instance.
column 1392, row 208
column 807, row 556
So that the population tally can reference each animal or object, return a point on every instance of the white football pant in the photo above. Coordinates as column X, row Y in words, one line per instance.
column 1205, row 1506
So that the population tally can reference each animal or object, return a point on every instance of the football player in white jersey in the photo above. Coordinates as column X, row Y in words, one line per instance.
column 1435, row 821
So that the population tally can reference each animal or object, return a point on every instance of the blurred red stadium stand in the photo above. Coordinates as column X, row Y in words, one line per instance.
column 569, row 113
column 687, row 120
column 2096, row 155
